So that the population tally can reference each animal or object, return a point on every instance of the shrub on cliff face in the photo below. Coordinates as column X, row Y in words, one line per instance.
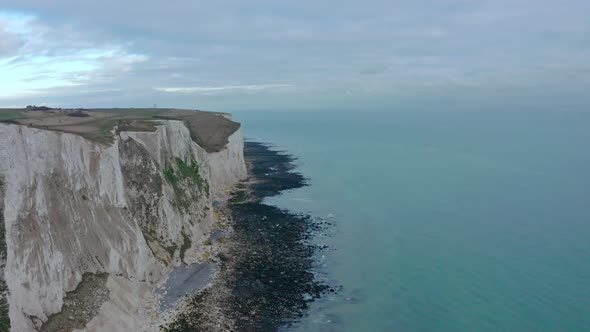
column 170, row 177
column 191, row 172
column 185, row 176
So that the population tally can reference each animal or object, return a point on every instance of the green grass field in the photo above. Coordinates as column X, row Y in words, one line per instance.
column 10, row 114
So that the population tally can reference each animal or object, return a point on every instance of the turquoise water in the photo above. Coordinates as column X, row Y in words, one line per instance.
column 444, row 221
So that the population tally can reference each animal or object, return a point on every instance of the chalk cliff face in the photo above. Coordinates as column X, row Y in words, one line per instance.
column 133, row 210
column 225, row 174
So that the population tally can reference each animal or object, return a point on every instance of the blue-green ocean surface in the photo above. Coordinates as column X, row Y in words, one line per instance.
column 444, row 221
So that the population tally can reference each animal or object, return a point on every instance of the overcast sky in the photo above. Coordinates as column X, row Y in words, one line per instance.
column 289, row 55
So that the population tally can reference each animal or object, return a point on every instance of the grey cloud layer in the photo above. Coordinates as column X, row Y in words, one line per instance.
column 386, row 54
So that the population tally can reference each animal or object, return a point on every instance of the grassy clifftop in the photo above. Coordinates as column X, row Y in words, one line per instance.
column 209, row 130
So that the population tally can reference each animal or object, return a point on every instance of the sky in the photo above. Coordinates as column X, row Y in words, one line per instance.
column 297, row 55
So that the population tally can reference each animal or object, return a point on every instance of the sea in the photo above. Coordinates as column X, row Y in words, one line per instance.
column 442, row 220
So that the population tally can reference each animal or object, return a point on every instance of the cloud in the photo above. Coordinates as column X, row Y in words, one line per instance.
column 329, row 52
column 35, row 56
column 216, row 89
column 10, row 42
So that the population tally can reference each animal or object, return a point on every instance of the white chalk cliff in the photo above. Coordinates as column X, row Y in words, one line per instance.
column 72, row 206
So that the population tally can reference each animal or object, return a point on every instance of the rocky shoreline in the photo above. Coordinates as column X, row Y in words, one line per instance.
column 266, row 278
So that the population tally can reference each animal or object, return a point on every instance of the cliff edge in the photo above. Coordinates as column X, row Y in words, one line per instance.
column 93, row 228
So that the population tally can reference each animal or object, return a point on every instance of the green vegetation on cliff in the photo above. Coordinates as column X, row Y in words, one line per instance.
column 191, row 172
column 183, row 177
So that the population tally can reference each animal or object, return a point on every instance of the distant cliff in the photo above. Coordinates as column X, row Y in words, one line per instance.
column 107, row 219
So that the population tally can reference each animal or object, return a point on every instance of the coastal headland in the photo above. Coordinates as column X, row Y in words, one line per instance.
column 107, row 215
column 147, row 220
